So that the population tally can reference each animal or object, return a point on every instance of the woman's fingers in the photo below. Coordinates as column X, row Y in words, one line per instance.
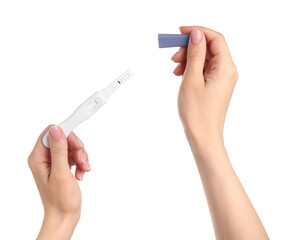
column 215, row 40
column 179, row 70
column 81, row 160
column 78, row 153
column 180, row 56
column 74, row 142
column 79, row 173
column 58, row 151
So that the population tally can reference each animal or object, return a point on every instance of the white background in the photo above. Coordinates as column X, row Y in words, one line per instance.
column 144, row 183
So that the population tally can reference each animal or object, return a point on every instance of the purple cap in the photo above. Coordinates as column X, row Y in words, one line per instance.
column 173, row 40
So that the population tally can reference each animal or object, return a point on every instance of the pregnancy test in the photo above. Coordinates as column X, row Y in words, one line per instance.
column 90, row 106
column 173, row 40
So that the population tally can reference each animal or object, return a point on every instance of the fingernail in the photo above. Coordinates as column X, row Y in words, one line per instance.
column 84, row 161
column 80, row 176
column 83, row 158
column 196, row 36
column 55, row 132
column 88, row 166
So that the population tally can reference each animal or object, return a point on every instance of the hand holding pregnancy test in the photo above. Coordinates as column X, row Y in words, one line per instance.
column 90, row 106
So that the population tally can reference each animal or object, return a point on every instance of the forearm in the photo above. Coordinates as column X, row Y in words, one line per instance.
column 232, row 213
column 57, row 227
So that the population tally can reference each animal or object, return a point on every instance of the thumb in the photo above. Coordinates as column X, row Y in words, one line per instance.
column 58, row 149
column 196, row 54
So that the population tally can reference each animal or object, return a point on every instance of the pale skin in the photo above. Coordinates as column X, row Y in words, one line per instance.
column 58, row 187
column 209, row 76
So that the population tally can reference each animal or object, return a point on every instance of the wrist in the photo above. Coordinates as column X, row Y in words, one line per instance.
column 205, row 141
column 58, row 226
column 205, row 135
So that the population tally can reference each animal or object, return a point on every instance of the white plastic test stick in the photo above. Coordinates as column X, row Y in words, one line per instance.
column 90, row 106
